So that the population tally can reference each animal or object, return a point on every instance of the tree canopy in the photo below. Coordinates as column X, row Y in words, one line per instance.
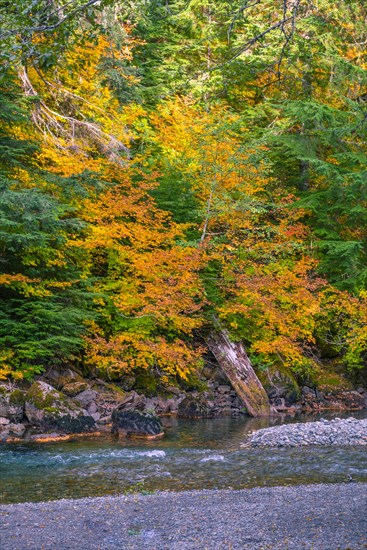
column 162, row 163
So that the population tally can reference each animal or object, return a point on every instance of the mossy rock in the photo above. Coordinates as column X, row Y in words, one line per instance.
column 50, row 409
column 12, row 404
column 69, row 424
column 17, row 397
column 60, row 379
column 74, row 388
column 146, row 383
column 195, row 407
column 327, row 380
column 280, row 382
column 194, row 383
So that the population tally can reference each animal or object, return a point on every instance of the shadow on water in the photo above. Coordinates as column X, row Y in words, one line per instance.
column 202, row 454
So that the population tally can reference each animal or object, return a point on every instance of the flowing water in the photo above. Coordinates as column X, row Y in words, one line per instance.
column 201, row 454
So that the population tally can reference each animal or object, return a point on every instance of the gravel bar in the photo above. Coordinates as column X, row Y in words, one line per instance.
column 346, row 432
column 318, row 517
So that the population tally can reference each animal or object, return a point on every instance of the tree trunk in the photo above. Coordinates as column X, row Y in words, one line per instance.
column 234, row 361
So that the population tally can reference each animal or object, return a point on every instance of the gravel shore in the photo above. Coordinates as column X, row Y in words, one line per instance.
column 318, row 517
column 338, row 432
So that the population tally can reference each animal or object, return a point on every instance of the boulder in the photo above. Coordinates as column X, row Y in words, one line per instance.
column 49, row 409
column 280, row 384
column 60, row 379
column 11, row 404
column 195, row 407
column 101, row 399
column 11, row 430
column 136, row 423
column 86, row 397
column 74, row 388
column 347, row 400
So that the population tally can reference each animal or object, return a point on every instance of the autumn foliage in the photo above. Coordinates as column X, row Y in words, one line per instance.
column 139, row 201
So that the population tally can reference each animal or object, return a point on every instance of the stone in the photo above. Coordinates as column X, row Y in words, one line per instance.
column 127, row 382
column 4, row 421
column 16, row 429
column 223, row 389
column 104, row 420
column 86, row 397
column 11, row 403
column 136, row 423
column 92, row 408
column 11, row 430
column 49, row 409
column 308, row 391
column 195, row 407
column 174, row 390
column 61, row 379
column 74, row 388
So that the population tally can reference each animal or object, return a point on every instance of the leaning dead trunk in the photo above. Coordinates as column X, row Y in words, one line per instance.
column 235, row 363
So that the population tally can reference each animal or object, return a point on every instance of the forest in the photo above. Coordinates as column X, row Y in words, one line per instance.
column 168, row 166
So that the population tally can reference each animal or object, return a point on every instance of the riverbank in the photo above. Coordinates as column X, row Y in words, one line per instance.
column 326, row 517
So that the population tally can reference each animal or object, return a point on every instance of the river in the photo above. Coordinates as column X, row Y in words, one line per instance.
column 200, row 454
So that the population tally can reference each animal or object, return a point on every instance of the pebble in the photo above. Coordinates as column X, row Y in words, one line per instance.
column 322, row 517
column 346, row 432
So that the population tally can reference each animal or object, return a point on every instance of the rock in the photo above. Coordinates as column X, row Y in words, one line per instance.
column 11, row 430
column 92, row 408
column 71, row 425
column 223, row 389
column 11, row 404
column 127, row 382
column 308, row 391
column 61, row 379
column 195, row 407
column 174, row 390
column 104, row 420
column 136, row 423
column 16, row 429
column 86, row 397
column 74, row 388
column 49, row 409
column 332, row 400
column 4, row 421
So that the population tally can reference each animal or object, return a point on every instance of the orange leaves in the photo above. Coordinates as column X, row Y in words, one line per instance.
column 150, row 282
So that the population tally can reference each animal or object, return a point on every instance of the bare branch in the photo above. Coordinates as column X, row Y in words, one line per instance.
column 257, row 38
column 50, row 123
column 46, row 27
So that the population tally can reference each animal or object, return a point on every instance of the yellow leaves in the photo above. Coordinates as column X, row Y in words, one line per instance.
column 24, row 285
column 278, row 307
column 127, row 352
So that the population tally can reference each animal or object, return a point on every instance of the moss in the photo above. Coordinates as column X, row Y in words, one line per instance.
column 116, row 389
column 50, row 409
column 331, row 380
column 44, row 401
column 194, row 383
column 147, row 384
column 280, row 376
column 17, row 397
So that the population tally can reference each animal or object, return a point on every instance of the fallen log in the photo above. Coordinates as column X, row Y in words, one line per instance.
column 236, row 365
